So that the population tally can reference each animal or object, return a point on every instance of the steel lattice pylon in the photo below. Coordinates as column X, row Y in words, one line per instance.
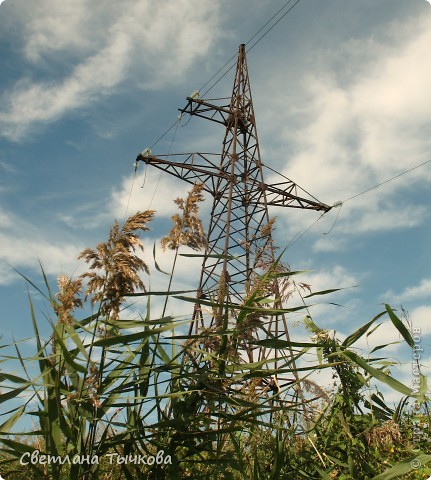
column 239, row 236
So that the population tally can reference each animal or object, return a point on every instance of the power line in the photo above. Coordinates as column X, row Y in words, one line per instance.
column 169, row 151
column 164, row 134
column 276, row 23
column 339, row 205
column 130, row 196
column 387, row 181
column 269, row 21
column 232, row 65
column 299, row 235
column 231, row 62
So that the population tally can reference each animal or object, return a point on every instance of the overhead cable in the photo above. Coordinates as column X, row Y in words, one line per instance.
column 231, row 62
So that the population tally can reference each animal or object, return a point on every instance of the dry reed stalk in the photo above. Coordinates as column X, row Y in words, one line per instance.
column 116, row 265
column 68, row 298
column 187, row 229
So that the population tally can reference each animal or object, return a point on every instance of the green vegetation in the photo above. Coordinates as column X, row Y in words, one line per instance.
column 115, row 398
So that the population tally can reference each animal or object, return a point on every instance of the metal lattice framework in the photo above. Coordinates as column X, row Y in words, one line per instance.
column 240, row 244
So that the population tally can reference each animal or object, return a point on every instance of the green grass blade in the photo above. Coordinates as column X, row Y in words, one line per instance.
column 378, row 374
column 399, row 325
column 4, row 397
column 351, row 339
column 12, row 378
column 133, row 337
column 10, row 422
column 404, row 467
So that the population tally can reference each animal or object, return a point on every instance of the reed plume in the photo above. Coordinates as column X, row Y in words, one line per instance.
column 68, row 298
column 116, row 266
column 187, row 229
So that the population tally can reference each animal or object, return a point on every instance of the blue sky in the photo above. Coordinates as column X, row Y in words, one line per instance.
column 342, row 94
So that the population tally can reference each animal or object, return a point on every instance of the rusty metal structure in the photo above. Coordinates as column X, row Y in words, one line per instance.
column 240, row 245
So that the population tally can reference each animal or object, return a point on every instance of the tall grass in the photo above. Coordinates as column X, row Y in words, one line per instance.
column 115, row 398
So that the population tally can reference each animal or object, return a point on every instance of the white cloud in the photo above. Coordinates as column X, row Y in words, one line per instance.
column 151, row 43
column 416, row 292
column 324, row 312
column 7, row 167
column 420, row 318
column 386, row 333
column 26, row 253
column 67, row 27
column 151, row 189
column 336, row 277
column 186, row 277
column 5, row 219
column 350, row 132
column 23, row 246
column 376, row 218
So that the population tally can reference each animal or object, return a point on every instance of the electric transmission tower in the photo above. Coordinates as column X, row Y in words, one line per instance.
column 240, row 246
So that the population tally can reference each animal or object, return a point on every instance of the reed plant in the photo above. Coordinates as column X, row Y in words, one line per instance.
column 119, row 398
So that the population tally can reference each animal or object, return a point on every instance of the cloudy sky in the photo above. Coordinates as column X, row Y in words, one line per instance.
column 342, row 95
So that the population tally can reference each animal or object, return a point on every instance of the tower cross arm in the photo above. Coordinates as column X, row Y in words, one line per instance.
column 190, row 167
column 200, row 108
column 200, row 168
column 288, row 197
